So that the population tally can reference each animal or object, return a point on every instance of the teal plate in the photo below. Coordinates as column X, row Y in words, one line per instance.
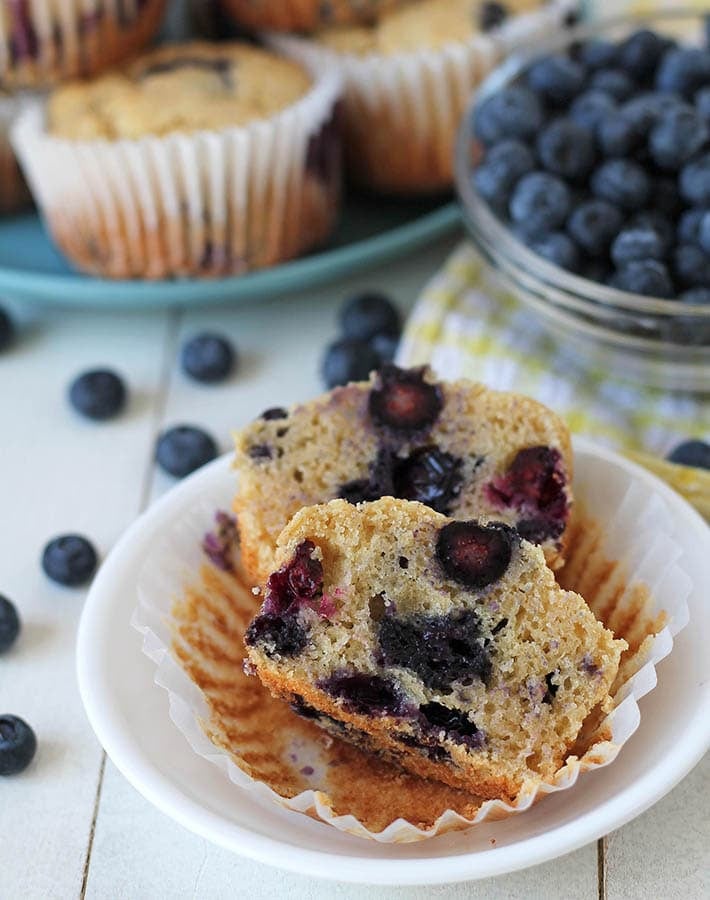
column 371, row 232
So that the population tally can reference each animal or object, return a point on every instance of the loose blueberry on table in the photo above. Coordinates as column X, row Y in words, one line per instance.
column 18, row 745
column 98, row 394
column 599, row 159
column 370, row 324
column 69, row 559
column 208, row 358
column 691, row 453
column 9, row 624
column 183, row 449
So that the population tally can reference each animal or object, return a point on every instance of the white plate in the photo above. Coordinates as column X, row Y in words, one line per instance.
column 129, row 714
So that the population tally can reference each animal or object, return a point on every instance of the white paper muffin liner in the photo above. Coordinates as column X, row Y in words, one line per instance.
column 644, row 595
column 42, row 42
column 14, row 194
column 207, row 203
column 402, row 111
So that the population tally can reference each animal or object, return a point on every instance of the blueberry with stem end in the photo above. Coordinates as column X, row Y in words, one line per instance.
column 69, row 559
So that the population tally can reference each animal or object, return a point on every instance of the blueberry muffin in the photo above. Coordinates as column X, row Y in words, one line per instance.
column 306, row 15
column 14, row 194
column 464, row 450
column 196, row 159
column 42, row 42
column 408, row 77
column 445, row 645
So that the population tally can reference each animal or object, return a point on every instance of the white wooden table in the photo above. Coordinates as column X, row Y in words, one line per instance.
column 71, row 826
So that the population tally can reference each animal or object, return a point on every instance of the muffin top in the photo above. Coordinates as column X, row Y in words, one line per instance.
column 183, row 87
column 429, row 24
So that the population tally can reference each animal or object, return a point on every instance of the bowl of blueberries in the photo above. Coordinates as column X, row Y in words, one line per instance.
column 583, row 170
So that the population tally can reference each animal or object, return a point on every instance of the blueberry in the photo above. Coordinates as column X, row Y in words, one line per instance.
column 431, row 476
column 614, row 82
column 348, row 360
column 617, row 135
column 702, row 104
column 692, row 453
column 684, row 71
column 556, row 78
column 646, row 109
column 276, row 635
column 647, row 277
column 403, row 402
column 592, row 107
column 695, row 181
column 366, row 695
column 691, row 266
column 622, row 182
column 665, row 198
column 597, row 54
column 274, row 412
column 677, row 137
column 385, row 346
column 182, row 449
column 491, row 15
column 365, row 315
column 534, row 484
column 557, row 248
column 594, row 224
column 455, row 724
column 597, row 270
column 441, row 650
column 689, row 226
column 474, row 555
column 7, row 330
column 566, row 149
column 379, row 481
column 297, row 583
column 640, row 53
column 504, row 163
column 636, row 243
column 98, row 394
column 208, row 357
column 661, row 224
column 69, row 559
column 514, row 112
column 541, row 202
column 696, row 295
column 704, row 232
column 9, row 624
column 18, row 745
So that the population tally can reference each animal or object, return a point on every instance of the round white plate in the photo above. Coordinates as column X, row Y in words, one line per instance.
column 129, row 714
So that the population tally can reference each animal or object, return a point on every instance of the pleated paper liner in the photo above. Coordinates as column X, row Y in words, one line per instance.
column 193, row 614
column 402, row 110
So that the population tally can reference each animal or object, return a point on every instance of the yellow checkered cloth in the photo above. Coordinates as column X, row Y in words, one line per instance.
column 466, row 325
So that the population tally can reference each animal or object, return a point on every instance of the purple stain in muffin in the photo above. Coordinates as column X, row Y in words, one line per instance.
column 435, row 719
column 220, row 543
column 307, row 771
column 534, row 485
column 589, row 667
column 260, row 452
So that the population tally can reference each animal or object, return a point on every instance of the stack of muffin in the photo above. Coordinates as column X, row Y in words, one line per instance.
column 212, row 159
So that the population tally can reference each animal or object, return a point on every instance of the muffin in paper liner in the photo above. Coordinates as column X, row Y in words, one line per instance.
column 401, row 111
column 193, row 610
column 14, row 194
column 305, row 15
column 208, row 203
column 42, row 42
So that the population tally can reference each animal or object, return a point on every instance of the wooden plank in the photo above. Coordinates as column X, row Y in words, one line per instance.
column 59, row 473
column 139, row 853
column 665, row 853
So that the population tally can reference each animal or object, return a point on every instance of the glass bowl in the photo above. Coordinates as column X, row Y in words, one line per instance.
column 662, row 343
